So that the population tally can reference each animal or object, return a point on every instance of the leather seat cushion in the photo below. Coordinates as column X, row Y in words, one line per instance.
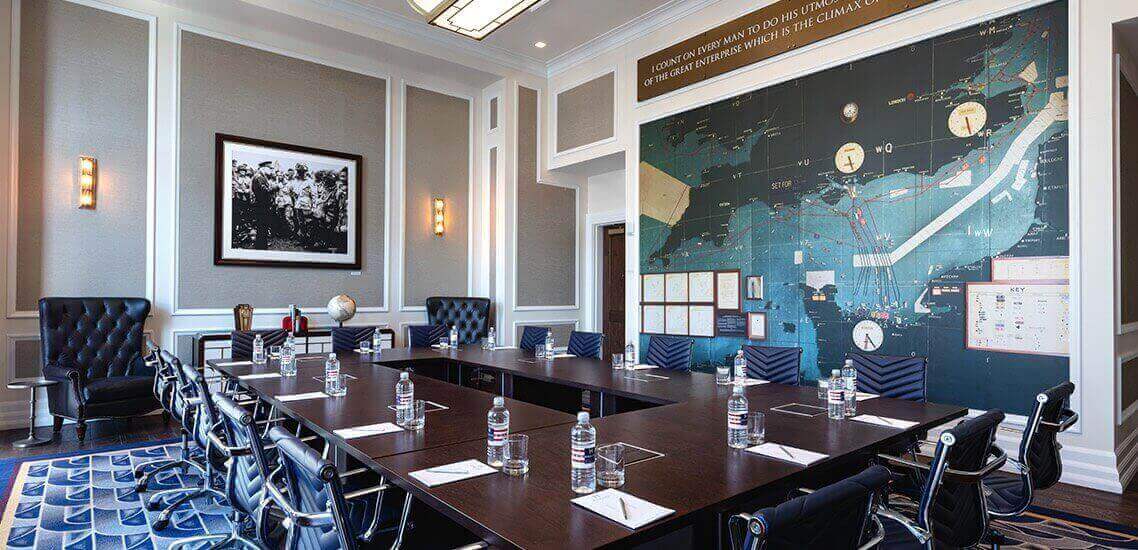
column 117, row 388
column 1004, row 492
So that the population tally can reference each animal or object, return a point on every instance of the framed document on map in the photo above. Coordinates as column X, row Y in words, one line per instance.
column 754, row 287
column 676, row 320
column 756, row 325
column 727, row 290
column 652, row 319
column 701, row 321
column 652, row 288
column 675, row 287
column 701, row 287
column 1031, row 318
column 1051, row 269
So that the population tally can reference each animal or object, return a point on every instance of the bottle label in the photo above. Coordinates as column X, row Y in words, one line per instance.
column 584, row 456
column 496, row 434
column 736, row 420
column 403, row 400
column 835, row 396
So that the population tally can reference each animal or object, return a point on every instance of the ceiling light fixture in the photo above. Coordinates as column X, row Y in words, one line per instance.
column 471, row 18
column 539, row 44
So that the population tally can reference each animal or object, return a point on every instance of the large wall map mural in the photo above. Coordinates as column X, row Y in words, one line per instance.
column 911, row 203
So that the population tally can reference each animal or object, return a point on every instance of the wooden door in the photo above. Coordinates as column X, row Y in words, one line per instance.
column 612, row 307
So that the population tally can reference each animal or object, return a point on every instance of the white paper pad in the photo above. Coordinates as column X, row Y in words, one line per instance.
column 563, row 355
column 884, row 421
column 368, row 431
column 787, row 453
column 750, row 382
column 641, row 367
column 302, row 396
column 259, row 376
column 234, row 364
column 498, row 348
column 608, row 504
column 447, row 473
column 862, row 396
column 358, row 350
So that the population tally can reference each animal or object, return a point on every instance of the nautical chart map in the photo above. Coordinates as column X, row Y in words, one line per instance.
column 868, row 197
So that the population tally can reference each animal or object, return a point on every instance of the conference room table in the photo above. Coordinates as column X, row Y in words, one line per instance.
column 687, row 465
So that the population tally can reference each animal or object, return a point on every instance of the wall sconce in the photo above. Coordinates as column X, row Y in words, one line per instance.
column 440, row 216
column 88, row 177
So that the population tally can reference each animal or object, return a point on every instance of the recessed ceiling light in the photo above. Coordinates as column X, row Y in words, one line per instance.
column 539, row 44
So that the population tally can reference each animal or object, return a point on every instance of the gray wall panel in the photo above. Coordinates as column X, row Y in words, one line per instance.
column 585, row 113
column 437, row 165
column 547, row 223
column 83, row 91
column 235, row 89
column 27, row 359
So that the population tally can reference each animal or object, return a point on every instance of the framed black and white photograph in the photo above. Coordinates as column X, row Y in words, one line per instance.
column 286, row 205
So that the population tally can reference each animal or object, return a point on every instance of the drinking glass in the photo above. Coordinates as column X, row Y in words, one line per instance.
column 756, row 427
column 418, row 419
column 617, row 361
column 274, row 352
column 539, row 351
column 723, row 375
column 823, row 388
column 444, row 342
column 516, row 461
column 365, row 345
column 610, row 465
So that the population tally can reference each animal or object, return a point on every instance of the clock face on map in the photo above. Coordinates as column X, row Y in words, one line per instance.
column 849, row 158
column 967, row 119
column 849, row 112
column 868, row 336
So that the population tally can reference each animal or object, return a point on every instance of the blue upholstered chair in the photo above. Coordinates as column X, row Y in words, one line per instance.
column 836, row 516
column 586, row 344
column 241, row 341
column 900, row 377
column 669, row 352
column 347, row 339
column 773, row 364
column 532, row 336
column 424, row 336
column 471, row 316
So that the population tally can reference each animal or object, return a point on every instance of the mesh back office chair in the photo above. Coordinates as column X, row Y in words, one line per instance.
column 347, row 339
column 899, row 377
column 773, row 364
column 669, row 352
column 241, row 341
column 586, row 344
column 424, row 336
column 532, row 336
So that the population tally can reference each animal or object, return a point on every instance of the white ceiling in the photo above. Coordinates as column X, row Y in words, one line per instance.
column 562, row 24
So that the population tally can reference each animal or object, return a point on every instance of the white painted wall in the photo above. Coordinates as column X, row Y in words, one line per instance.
column 1090, row 454
column 606, row 192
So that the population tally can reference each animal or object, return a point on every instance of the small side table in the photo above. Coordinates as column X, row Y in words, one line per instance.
column 32, row 385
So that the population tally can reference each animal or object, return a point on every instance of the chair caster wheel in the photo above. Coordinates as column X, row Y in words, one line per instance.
column 138, row 474
column 153, row 506
column 140, row 487
column 161, row 523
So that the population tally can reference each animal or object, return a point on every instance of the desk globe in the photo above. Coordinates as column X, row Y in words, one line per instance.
column 341, row 308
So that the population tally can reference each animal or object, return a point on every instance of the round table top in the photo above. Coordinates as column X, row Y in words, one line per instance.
column 33, row 383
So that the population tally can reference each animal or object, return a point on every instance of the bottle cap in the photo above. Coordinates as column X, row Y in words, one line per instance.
column 836, row 372
column 737, row 390
column 582, row 416
column 404, row 376
column 499, row 401
column 331, row 356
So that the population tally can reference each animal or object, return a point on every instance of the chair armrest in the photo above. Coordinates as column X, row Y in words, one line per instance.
column 218, row 444
column 996, row 461
column 365, row 492
column 898, row 461
column 922, row 535
column 1066, row 419
column 737, row 527
column 297, row 517
column 474, row 546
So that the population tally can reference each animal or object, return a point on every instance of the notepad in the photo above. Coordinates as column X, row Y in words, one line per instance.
column 563, row 355
column 368, row 431
column 884, row 421
column 862, row 396
column 449, row 473
column 787, row 453
column 623, row 508
column 750, row 382
column 499, row 348
column 641, row 367
column 234, row 364
column 302, row 396
column 259, row 376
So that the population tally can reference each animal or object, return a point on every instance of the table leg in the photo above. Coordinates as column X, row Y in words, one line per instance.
column 31, row 440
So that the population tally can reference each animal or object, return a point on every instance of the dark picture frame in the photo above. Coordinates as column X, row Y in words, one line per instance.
column 322, row 230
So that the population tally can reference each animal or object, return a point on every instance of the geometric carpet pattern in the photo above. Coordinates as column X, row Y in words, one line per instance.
column 88, row 501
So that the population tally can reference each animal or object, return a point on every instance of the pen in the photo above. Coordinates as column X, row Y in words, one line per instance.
column 438, row 471
column 623, row 507
column 786, row 452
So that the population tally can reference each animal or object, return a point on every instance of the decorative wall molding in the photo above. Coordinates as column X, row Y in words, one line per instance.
column 1123, row 411
column 559, row 158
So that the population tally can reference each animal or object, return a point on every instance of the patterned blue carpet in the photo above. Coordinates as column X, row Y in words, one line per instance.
column 88, row 501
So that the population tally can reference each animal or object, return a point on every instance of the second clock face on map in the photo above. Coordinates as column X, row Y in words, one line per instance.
column 867, row 335
column 967, row 119
column 849, row 158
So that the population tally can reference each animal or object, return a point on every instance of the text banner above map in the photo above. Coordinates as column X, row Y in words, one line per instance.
column 761, row 34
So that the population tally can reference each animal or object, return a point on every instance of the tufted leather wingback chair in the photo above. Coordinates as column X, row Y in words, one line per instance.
column 93, row 346
column 470, row 315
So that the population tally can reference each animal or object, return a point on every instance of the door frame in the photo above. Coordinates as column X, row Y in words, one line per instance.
column 594, row 265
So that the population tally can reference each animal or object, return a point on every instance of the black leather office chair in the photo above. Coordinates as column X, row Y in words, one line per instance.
column 586, row 344
column 424, row 336
column 169, row 396
column 471, row 316
column 841, row 515
column 952, row 511
column 241, row 341
column 532, row 336
column 669, row 352
column 773, row 364
column 93, row 347
column 896, row 376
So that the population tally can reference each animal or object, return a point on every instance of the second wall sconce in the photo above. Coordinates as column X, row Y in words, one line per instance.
column 88, row 178
column 440, row 215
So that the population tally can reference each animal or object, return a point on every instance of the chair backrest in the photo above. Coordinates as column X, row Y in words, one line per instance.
column 897, row 376
column 586, row 344
column 1039, row 448
column 471, row 316
column 532, row 336
column 313, row 488
column 424, row 336
column 205, row 416
column 245, row 483
column 163, row 377
column 835, row 516
column 669, row 352
column 773, row 364
column 955, row 510
column 347, row 339
column 100, row 337
column 181, row 393
column 241, row 341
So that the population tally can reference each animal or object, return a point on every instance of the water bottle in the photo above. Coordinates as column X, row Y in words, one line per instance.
column 849, row 380
column 377, row 342
column 453, row 336
column 583, row 439
column 491, row 339
column 258, row 350
column 630, row 354
column 549, row 344
column 740, row 368
column 288, row 356
column 835, row 396
column 497, row 428
column 404, row 398
column 737, row 407
column 333, row 385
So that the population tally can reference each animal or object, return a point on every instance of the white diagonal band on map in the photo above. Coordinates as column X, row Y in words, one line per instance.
column 1055, row 110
